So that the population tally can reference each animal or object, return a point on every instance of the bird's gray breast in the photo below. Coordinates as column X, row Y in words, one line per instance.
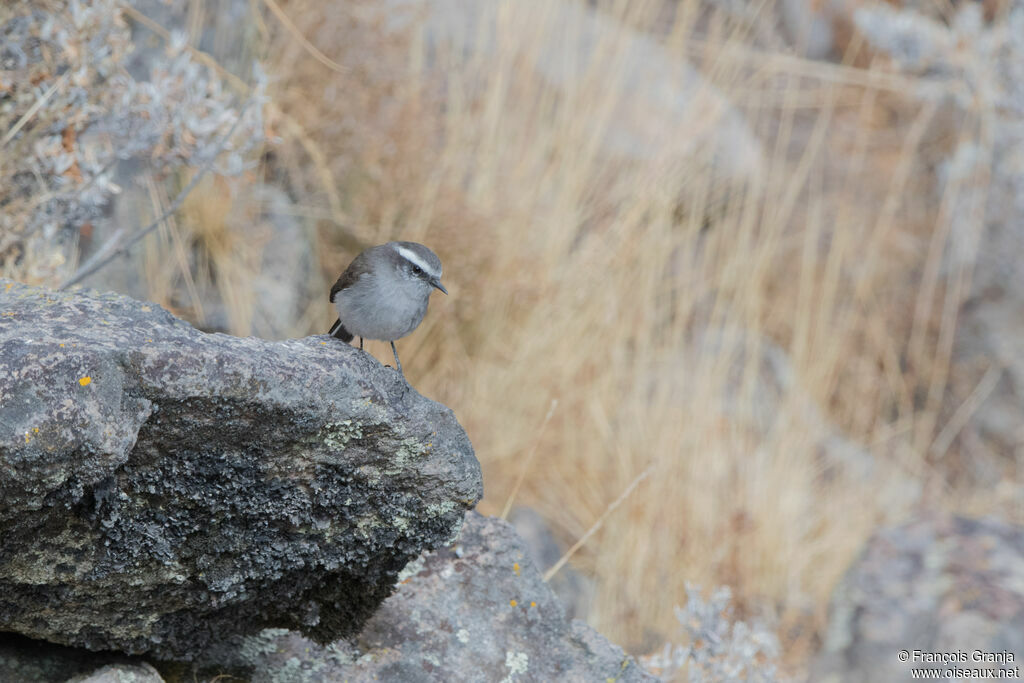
column 384, row 308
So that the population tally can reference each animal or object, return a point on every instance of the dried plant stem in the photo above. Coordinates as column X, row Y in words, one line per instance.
column 34, row 109
column 598, row 524
column 940, row 446
column 774, row 63
column 297, row 34
column 529, row 460
column 158, row 198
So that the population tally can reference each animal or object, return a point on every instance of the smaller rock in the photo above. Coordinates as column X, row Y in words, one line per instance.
column 575, row 590
column 938, row 584
column 475, row 611
column 480, row 610
column 24, row 659
column 121, row 673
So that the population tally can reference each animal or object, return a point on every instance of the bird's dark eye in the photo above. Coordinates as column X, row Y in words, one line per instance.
column 417, row 270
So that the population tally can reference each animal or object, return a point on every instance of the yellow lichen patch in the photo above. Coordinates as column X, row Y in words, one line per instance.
column 9, row 285
column 515, row 568
column 61, row 345
column 146, row 309
column 35, row 430
column 26, row 437
column 85, row 381
column 512, row 603
column 532, row 603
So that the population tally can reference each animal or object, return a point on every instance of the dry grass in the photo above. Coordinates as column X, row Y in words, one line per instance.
column 654, row 303
column 775, row 352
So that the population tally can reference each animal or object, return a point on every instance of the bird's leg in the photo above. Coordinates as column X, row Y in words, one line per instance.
column 397, row 362
column 360, row 343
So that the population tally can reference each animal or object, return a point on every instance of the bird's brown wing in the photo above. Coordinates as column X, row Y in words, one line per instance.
column 355, row 270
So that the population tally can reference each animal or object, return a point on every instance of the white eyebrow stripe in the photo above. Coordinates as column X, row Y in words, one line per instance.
column 414, row 258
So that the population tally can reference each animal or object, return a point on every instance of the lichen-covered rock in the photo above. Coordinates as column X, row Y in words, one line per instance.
column 161, row 488
column 938, row 584
column 475, row 611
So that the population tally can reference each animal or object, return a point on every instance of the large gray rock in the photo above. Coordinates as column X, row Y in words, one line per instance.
column 161, row 488
column 938, row 584
column 476, row 611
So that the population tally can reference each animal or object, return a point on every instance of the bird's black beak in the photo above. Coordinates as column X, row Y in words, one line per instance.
column 437, row 283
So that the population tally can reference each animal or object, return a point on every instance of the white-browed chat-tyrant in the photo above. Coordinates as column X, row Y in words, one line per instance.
column 383, row 294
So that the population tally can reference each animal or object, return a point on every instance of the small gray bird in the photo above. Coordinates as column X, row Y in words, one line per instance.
column 383, row 293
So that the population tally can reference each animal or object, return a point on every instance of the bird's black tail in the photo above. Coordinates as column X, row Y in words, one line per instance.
column 338, row 330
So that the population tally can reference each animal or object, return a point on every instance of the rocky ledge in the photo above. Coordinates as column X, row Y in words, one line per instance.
column 477, row 610
column 162, row 490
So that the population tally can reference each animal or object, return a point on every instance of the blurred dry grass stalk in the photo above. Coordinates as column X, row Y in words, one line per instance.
column 737, row 339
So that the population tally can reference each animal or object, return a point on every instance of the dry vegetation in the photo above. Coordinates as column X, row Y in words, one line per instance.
column 771, row 355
